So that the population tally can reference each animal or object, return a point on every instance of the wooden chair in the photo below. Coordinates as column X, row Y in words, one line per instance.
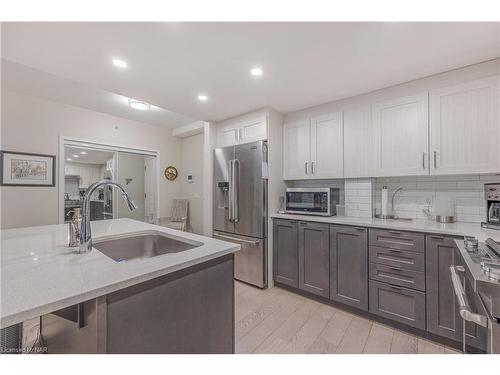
column 179, row 216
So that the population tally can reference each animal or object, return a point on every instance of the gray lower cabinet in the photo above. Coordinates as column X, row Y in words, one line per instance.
column 285, row 252
column 314, row 258
column 443, row 317
column 349, row 265
column 403, row 305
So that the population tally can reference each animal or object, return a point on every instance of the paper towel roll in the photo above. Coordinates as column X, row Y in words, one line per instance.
column 384, row 201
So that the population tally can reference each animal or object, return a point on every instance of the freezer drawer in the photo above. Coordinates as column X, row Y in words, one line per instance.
column 250, row 263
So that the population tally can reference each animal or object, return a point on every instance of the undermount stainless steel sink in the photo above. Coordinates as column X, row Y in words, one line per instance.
column 145, row 244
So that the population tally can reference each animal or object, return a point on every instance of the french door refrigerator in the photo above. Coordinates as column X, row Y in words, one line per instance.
column 240, row 207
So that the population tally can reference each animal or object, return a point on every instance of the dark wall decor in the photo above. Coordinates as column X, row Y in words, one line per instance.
column 26, row 169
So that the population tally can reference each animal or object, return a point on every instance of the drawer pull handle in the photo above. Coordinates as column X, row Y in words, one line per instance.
column 395, row 268
column 395, row 233
column 395, row 287
column 395, row 250
column 437, row 237
column 359, row 228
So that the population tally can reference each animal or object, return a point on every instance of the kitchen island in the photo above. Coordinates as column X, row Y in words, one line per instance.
column 179, row 302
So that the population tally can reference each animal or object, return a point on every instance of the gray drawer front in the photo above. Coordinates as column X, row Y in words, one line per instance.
column 409, row 260
column 398, row 276
column 399, row 304
column 397, row 240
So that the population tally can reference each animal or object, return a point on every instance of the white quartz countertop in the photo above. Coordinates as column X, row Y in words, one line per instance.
column 40, row 274
column 424, row 226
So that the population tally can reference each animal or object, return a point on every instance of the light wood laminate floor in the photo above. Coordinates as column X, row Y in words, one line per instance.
column 278, row 321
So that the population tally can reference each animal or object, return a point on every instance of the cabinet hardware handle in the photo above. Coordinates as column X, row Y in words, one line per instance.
column 302, row 223
column 395, row 287
column 359, row 228
column 395, row 268
column 312, row 167
column 306, row 166
column 395, row 233
column 423, row 160
column 395, row 250
column 435, row 159
column 437, row 237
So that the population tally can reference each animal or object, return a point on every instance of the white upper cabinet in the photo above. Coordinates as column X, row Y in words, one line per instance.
column 327, row 146
column 296, row 150
column 401, row 136
column 244, row 131
column 464, row 128
column 227, row 136
column 358, row 143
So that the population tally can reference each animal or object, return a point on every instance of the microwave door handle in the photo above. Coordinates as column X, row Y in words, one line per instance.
column 230, row 190
column 236, row 190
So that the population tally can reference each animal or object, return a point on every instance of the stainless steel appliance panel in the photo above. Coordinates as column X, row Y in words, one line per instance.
column 222, row 158
column 250, row 190
column 250, row 263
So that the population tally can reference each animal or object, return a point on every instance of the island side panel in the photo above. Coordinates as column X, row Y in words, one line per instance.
column 189, row 311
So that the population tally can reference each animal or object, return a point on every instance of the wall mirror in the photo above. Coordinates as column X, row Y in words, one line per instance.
column 82, row 163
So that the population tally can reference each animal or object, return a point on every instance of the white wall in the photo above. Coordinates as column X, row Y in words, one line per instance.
column 34, row 124
column 192, row 164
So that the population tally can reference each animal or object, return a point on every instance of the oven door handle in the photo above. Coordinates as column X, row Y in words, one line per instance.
column 463, row 305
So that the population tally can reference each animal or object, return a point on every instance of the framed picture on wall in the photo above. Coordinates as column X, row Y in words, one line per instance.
column 24, row 169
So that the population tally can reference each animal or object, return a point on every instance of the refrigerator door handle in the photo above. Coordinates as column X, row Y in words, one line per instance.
column 231, row 189
column 236, row 188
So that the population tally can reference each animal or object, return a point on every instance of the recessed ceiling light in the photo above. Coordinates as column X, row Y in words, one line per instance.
column 83, row 152
column 69, row 159
column 202, row 98
column 256, row 72
column 119, row 63
column 137, row 104
column 75, row 156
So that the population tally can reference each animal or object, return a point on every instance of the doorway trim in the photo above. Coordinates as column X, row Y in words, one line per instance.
column 101, row 145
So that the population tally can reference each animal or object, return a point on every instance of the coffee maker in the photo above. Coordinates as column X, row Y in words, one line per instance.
column 492, row 196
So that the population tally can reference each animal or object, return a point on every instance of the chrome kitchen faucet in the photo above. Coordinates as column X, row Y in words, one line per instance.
column 85, row 232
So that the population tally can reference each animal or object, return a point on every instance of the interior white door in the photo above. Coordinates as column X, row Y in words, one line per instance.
column 401, row 136
column 327, row 146
column 358, row 143
column 296, row 150
column 464, row 128
column 251, row 131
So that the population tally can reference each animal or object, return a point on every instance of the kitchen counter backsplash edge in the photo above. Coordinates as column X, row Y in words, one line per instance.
column 422, row 226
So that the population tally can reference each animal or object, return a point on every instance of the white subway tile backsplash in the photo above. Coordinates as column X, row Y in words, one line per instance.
column 420, row 192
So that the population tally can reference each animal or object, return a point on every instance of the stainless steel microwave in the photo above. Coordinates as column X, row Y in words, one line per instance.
column 312, row 201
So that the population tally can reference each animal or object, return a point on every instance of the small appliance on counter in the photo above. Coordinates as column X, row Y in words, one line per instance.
column 312, row 201
column 492, row 197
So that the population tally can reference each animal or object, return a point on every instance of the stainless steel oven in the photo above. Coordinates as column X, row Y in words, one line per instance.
column 312, row 201
column 476, row 282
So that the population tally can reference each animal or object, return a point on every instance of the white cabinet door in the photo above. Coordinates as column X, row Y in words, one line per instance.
column 251, row 131
column 70, row 169
column 296, row 150
column 464, row 128
column 401, row 136
column 227, row 136
column 358, row 143
column 327, row 146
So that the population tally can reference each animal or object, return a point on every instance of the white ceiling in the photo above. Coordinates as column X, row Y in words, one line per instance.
column 304, row 64
column 91, row 156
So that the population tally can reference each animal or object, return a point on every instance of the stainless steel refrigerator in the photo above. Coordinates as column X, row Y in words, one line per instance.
column 240, row 207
